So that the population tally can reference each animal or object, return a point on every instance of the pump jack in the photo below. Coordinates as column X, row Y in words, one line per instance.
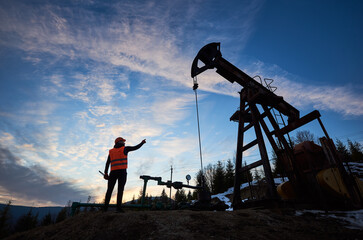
column 253, row 94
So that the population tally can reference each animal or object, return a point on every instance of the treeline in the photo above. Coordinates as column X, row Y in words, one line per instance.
column 216, row 178
column 352, row 152
column 164, row 201
column 28, row 221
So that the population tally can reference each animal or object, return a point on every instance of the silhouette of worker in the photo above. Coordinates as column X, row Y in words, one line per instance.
column 118, row 158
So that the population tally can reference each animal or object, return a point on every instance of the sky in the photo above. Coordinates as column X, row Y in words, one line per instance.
column 74, row 75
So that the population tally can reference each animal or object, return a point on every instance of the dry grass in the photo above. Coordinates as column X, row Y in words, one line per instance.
column 243, row 224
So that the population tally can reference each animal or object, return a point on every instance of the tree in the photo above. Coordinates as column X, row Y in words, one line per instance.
column 26, row 222
column 140, row 196
column 229, row 174
column 164, row 197
column 218, row 179
column 278, row 166
column 201, row 181
column 88, row 201
column 355, row 150
column 189, row 196
column 47, row 220
column 209, row 172
column 342, row 149
column 5, row 221
column 302, row 136
column 62, row 215
column 257, row 177
column 180, row 196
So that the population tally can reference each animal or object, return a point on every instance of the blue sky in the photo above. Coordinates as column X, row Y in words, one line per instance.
column 74, row 75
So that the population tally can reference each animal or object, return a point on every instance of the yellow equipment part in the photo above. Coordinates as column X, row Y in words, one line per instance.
column 286, row 191
column 331, row 180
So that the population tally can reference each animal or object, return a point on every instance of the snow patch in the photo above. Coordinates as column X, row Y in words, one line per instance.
column 349, row 219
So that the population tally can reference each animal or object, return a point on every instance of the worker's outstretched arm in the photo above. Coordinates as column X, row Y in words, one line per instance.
column 129, row 148
column 106, row 167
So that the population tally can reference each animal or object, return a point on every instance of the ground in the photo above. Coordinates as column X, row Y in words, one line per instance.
column 185, row 224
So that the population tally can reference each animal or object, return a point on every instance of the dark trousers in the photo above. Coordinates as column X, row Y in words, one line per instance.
column 121, row 176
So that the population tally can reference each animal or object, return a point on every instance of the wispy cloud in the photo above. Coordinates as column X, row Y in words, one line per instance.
column 170, row 107
column 345, row 100
column 142, row 39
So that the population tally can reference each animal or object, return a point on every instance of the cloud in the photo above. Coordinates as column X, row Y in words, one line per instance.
column 341, row 99
column 170, row 107
column 34, row 182
column 104, row 110
column 345, row 100
column 142, row 37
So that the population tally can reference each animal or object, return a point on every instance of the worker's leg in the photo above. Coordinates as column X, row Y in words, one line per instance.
column 111, row 184
column 121, row 185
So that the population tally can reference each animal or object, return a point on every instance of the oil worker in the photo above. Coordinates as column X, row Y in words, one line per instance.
column 118, row 158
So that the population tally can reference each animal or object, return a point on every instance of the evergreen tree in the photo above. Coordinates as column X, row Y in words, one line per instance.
column 189, row 196
column 355, row 150
column 278, row 166
column 229, row 174
column 133, row 201
column 62, row 215
column 176, row 196
column 180, row 196
column 342, row 149
column 88, row 201
column 47, row 220
column 164, row 197
column 195, row 195
column 218, row 182
column 5, row 221
column 200, row 179
column 140, row 196
column 26, row 222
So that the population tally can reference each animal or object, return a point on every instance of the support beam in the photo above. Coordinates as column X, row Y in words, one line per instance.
column 300, row 122
column 250, row 166
column 264, row 157
column 237, row 201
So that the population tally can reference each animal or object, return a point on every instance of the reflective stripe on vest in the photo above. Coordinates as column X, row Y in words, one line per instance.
column 118, row 158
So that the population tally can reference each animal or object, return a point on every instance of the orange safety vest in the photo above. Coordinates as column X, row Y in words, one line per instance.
column 118, row 158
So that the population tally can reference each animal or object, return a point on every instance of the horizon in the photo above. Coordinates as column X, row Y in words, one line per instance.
column 75, row 75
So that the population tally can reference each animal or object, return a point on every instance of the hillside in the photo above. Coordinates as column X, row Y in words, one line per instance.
column 185, row 224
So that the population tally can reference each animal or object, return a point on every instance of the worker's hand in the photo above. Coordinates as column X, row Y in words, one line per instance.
column 105, row 176
column 143, row 141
